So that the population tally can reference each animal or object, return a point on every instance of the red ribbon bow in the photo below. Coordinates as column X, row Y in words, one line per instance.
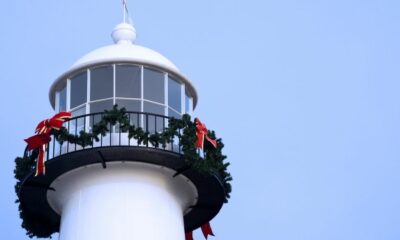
column 205, row 228
column 202, row 132
column 42, row 137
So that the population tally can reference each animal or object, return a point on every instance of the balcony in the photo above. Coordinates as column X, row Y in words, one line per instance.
column 114, row 135
column 119, row 136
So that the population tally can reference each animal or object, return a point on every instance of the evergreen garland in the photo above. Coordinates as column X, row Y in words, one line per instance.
column 212, row 162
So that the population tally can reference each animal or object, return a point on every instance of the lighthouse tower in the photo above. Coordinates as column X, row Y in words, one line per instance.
column 117, row 187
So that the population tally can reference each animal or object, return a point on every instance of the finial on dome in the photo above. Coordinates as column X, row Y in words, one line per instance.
column 124, row 33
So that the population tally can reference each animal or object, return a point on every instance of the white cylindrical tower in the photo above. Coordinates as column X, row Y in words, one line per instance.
column 129, row 200
column 117, row 187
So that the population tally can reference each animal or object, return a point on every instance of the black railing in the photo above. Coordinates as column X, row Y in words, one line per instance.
column 115, row 136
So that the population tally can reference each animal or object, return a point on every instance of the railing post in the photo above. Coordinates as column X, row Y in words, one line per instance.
column 120, row 130
column 155, row 127
column 92, row 140
column 147, row 128
column 111, row 130
column 129, row 120
column 47, row 151
column 54, row 147
column 101, row 138
column 84, row 125
column 164, row 119
column 67, row 141
column 179, row 140
column 139, row 120
column 76, row 130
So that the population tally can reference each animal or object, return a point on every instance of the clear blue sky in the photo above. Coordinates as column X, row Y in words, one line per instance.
column 305, row 95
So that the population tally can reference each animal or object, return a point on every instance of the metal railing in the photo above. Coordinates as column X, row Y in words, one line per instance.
column 149, row 122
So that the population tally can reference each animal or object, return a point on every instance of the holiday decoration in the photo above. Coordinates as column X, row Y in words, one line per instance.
column 205, row 229
column 189, row 236
column 42, row 137
column 211, row 163
column 202, row 132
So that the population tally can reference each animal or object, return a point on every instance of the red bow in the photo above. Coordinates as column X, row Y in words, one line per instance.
column 205, row 228
column 42, row 137
column 202, row 132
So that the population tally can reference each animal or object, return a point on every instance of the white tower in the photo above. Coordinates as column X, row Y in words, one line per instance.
column 118, row 188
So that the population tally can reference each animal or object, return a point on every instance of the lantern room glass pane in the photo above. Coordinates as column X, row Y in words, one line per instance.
column 172, row 113
column 153, row 123
column 78, row 89
column 77, row 124
column 79, row 112
column 174, row 94
column 187, row 104
column 153, row 85
column 129, row 105
column 128, row 81
column 149, row 107
column 62, row 104
column 101, row 83
column 101, row 106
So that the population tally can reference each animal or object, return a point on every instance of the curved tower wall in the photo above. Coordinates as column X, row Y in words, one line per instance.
column 126, row 201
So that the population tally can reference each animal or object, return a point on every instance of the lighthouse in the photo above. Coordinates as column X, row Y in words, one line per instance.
column 119, row 167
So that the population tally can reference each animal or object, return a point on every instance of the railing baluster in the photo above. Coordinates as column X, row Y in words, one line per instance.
column 155, row 124
column 155, row 127
column 138, row 117
column 68, row 133
column 119, row 144
column 101, row 138
column 54, row 147
column 111, row 133
column 92, row 139
column 163, row 123
column 179, row 140
column 84, row 126
column 129, row 120
column 76, row 130
column 147, row 128
column 172, row 143
column 60, row 144
column 47, row 151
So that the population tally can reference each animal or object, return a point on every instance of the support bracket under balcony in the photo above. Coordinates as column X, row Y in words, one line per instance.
column 103, row 161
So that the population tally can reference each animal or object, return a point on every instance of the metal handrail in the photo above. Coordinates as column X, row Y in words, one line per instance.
column 150, row 122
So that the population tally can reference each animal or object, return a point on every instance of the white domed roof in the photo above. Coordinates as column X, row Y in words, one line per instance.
column 122, row 52
column 124, row 36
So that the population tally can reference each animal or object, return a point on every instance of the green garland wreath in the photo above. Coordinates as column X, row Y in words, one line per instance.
column 212, row 162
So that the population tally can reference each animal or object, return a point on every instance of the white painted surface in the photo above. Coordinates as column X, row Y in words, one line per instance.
column 124, row 201
column 124, row 33
column 125, row 53
column 124, row 49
